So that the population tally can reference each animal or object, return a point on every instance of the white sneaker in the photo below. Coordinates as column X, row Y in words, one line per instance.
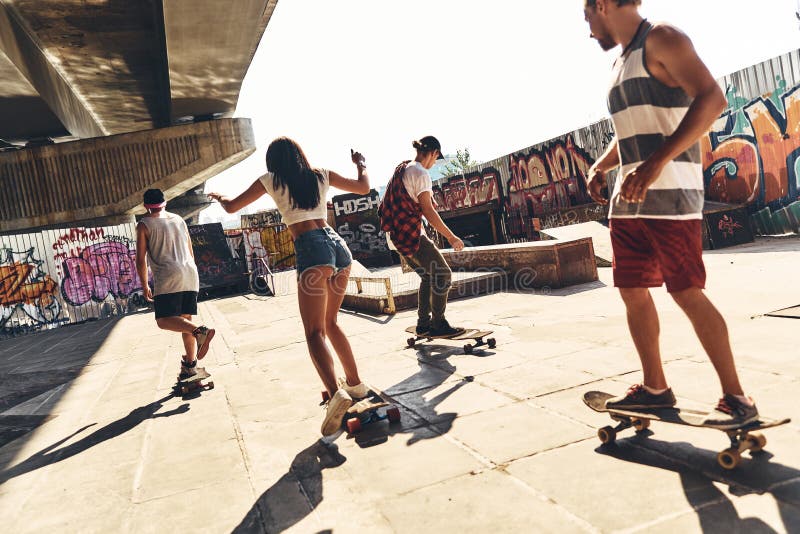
column 359, row 391
column 334, row 412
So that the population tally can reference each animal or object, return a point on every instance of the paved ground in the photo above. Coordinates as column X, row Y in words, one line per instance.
column 499, row 441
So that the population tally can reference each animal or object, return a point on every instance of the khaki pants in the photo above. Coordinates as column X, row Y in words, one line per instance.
column 436, row 277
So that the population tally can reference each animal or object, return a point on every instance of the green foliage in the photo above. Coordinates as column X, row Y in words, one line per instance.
column 459, row 165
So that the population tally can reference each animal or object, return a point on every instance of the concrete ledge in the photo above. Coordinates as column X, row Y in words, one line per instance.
column 534, row 264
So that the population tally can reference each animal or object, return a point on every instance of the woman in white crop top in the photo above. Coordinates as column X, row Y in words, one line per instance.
column 323, row 260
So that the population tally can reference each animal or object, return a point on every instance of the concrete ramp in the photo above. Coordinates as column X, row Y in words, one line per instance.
column 599, row 234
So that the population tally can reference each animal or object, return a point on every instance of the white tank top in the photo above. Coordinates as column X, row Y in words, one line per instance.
column 292, row 215
column 169, row 256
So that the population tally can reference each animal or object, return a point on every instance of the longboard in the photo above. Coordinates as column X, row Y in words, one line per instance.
column 366, row 411
column 742, row 438
column 468, row 334
column 194, row 382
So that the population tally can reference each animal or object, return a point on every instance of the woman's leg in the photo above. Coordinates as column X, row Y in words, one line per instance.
column 336, row 289
column 312, row 295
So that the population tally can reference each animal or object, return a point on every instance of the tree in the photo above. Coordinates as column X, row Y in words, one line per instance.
column 459, row 165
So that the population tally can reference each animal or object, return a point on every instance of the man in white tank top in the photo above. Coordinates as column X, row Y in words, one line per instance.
column 163, row 242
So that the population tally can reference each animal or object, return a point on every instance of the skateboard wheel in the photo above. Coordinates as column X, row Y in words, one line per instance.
column 326, row 396
column 467, row 349
column 411, row 342
column 353, row 425
column 492, row 342
column 758, row 440
column 393, row 413
column 641, row 424
column 729, row 458
column 607, row 434
column 211, row 385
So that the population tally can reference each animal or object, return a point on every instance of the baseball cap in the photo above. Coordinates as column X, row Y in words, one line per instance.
column 429, row 143
column 154, row 198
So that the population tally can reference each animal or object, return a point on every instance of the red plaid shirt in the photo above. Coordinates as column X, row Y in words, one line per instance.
column 401, row 217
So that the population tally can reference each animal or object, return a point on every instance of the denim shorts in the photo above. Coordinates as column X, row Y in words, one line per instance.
column 321, row 247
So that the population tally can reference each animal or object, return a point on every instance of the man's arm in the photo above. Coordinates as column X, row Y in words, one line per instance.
column 141, row 260
column 430, row 213
column 672, row 60
column 596, row 179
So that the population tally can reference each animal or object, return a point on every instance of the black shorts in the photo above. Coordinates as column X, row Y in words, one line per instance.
column 175, row 304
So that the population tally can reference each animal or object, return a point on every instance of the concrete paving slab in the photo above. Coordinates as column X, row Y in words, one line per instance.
column 492, row 441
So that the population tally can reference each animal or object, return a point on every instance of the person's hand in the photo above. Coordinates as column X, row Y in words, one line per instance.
column 147, row 293
column 456, row 243
column 595, row 183
column 358, row 158
column 216, row 196
column 635, row 183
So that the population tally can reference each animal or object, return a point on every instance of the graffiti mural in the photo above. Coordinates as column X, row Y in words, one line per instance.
column 99, row 271
column 466, row 191
column 549, row 177
column 25, row 288
column 68, row 275
column 216, row 266
column 357, row 221
column 272, row 243
column 752, row 155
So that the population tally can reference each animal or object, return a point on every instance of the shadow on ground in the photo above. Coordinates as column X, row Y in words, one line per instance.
column 296, row 494
column 53, row 454
column 698, row 471
column 35, row 372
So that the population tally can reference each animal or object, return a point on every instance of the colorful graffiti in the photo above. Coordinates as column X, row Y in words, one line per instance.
column 24, row 286
column 752, row 155
column 549, row 177
column 99, row 271
column 466, row 191
column 273, row 243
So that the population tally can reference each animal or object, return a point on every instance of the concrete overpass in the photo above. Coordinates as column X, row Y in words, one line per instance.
column 102, row 99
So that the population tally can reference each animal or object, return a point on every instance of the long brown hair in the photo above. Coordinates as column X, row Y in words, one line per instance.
column 290, row 168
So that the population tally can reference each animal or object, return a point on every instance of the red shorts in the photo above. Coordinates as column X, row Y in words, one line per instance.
column 650, row 252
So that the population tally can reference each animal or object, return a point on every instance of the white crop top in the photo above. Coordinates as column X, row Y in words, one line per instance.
column 292, row 215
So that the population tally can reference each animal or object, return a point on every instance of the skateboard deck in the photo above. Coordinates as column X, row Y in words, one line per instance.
column 742, row 438
column 194, row 382
column 469, row 333
column 367, row 411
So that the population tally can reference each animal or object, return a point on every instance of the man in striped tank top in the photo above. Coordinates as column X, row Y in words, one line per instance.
column 662, row 99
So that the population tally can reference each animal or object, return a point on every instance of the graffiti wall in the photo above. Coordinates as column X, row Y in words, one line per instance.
column 751, row 156
column 272, row 243
column 358, row 223
column 67, row 276
column 261, row 218
column 216, row 264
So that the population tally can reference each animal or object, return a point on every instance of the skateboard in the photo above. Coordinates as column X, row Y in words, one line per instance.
column 194, row 382
column 367, row 411
column 742, row 439
column 470, row 333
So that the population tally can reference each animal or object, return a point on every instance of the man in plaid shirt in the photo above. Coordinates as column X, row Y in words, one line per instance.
column 408, row 197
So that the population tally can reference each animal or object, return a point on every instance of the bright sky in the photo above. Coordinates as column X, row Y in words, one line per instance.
column 494, row 76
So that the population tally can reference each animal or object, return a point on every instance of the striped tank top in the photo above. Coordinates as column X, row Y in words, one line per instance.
column 644, row 112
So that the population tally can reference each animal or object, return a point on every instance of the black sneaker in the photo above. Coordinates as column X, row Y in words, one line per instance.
column 423, row 327
column 731, row 413
column 638, row 398
column 445, row 329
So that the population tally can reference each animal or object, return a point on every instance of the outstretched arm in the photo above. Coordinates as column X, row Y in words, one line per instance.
column 250, row 195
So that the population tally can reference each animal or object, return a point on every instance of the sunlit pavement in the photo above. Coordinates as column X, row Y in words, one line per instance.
column 495, row 441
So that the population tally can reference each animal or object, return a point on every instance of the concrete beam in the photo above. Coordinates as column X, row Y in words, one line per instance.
column 210, row 47
column 107, row 176
column 22, row 49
